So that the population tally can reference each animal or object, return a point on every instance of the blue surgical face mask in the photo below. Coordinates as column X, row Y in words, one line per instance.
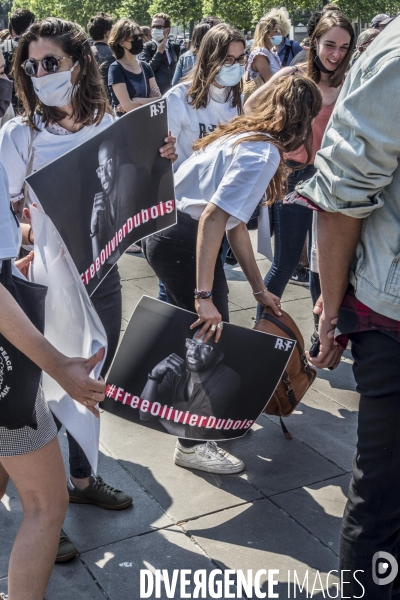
column 276, row 40
column 230, row 76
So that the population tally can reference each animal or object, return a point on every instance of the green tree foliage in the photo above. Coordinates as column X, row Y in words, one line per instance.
column 180, row 11
column 238, row 14
column 242, row 14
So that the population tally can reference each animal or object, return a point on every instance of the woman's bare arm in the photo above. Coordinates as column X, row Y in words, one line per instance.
column 71, row 373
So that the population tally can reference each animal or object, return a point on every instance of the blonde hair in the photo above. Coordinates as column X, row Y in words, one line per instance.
column 263, row 28
column 281, row 16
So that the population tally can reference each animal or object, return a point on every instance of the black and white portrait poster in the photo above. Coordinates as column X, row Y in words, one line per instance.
column 111, row 191
column 165, row 378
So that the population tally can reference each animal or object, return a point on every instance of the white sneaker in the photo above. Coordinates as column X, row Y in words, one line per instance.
column 207, row 457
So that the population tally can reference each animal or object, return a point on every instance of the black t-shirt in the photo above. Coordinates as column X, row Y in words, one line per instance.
column 137, row 84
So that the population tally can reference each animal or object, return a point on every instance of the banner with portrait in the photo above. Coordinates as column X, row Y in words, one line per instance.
column 110, row 191
column 165, row 378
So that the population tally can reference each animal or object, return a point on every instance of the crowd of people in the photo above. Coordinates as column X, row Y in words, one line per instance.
column 315, row 137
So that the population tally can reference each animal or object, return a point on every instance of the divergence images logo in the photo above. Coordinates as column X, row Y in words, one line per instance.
column 384, row 568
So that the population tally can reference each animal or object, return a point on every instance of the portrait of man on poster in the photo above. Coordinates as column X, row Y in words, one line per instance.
column 200, row 384
column 115, row 204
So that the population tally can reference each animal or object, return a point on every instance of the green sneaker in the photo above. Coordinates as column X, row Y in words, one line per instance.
column 101, row 494
column 66, row 549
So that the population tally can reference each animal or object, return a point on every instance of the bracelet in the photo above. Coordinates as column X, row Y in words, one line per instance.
column 202, row 295
column 152, row 378
column 295, row 69
column 262, row 291
column 29, row 235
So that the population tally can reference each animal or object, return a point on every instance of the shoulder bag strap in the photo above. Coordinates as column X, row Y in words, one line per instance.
column 22, row 203
column 288, row 50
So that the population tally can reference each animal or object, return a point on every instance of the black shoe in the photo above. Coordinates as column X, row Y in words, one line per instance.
column 300, row 276
column 101, row 494
column 66, row 549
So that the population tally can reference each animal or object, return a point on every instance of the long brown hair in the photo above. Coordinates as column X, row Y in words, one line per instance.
column 89, row 100
column 121, row 31
column 283, row 116
column 329, row 20
column 210, row 58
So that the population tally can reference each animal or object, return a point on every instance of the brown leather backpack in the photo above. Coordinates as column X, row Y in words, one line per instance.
column 297, row 377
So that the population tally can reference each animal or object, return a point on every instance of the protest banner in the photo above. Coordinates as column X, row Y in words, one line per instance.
column 165, row 378
column 110, row 191
column 72, row 325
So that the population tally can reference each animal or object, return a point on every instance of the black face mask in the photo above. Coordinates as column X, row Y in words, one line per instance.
column 320, row 66
column 136, row 47
column 6, row 88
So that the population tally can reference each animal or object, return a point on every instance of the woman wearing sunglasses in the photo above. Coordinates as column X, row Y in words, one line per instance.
column 217, row 189
column 65, row 104
column 131, row 80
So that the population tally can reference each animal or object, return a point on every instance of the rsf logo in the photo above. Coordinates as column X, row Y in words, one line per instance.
column 384, row 568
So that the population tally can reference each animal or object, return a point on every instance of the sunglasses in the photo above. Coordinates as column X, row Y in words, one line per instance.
column 138, row 36
column 50, row 64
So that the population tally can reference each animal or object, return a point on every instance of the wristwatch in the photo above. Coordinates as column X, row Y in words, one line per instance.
column 202, row 295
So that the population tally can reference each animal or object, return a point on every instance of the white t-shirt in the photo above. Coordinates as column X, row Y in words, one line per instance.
column 188, row 124
column 234, row 179
column 15, row 138
column 10, row 233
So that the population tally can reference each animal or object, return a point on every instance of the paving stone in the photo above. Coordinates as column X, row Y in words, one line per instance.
column 10, row 519
column 339, row 384
column 319, row 508
column 67, row 581
column 130, row 297
column 261, row 536
column 182, row 493
column 90, row 526
column 274, row 464
column 72, row 580
column 148, row 285
column 302, row 317
column 325, row 426
column 117, row 568
column 134, row 267
column 244, row 318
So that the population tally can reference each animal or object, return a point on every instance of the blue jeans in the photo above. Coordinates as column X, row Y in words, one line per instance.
column 291, row 222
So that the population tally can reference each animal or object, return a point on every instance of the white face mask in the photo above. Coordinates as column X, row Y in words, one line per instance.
column 55, row 89
column 157, row 35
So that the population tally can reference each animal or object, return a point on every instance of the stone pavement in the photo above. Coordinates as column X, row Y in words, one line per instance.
column 282, row 513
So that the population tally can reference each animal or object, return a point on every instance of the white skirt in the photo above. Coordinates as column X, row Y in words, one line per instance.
column 15, row 442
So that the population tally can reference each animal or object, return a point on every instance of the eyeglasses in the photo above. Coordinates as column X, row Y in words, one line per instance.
column 50, row 64
column 230, row 61
column 158, row 26
column 205, row 349
column 100, row 170
column 137, row 36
